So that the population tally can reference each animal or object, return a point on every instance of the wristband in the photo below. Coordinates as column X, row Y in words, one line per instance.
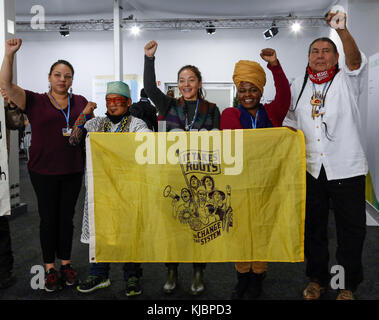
column 82, row 119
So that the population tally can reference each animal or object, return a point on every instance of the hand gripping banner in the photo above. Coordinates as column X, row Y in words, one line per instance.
column 217, row 196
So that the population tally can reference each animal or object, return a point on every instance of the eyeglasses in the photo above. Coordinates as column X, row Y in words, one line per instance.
column 116, row 101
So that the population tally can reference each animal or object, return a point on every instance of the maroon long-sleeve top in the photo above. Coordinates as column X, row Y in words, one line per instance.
column 276, row 110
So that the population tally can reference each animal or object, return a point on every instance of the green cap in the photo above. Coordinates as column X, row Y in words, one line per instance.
column 118, row 87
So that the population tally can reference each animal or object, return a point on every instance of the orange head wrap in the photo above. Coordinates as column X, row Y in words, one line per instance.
column 249, row 71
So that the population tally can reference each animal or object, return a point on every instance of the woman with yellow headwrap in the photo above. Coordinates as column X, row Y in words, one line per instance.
column 250, row 79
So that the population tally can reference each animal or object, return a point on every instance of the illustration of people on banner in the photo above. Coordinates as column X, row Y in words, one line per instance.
column 201, row 204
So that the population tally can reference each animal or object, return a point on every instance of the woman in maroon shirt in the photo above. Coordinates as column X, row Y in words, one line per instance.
column 250, row 79
column 55, row 167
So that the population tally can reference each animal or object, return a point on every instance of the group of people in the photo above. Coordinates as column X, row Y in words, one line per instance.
column 323, row 104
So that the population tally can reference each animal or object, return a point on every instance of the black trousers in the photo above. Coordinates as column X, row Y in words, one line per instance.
column 6, row 255
column 348, row 199
column 56, row 196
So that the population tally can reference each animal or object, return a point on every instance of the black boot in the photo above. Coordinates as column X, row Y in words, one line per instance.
column 255, row 285
column 171, row 280
column 243, row 280
column 197, row 285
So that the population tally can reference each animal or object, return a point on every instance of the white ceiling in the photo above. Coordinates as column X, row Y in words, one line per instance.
column 159, row 9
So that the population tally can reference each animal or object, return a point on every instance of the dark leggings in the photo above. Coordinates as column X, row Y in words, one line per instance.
column 56, row 196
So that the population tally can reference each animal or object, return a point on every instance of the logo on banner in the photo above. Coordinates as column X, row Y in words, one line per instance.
column 201, row 203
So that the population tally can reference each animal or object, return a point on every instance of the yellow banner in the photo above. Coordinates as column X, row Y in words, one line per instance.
column 219, row 196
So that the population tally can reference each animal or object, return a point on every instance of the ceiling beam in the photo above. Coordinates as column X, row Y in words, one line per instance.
column 176, row 24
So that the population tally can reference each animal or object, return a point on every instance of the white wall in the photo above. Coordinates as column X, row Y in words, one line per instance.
column 91, row 54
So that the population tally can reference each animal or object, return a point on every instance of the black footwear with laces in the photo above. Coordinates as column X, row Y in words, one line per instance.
column 133, row 287
column 92, row 283
column 51, row 280
column 68, row 275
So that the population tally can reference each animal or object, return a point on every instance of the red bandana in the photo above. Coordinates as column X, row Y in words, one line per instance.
column 323, row 76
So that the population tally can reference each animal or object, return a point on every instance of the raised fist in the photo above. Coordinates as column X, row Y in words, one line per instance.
column 150, row 48
column 12, row 45
column 269, row 55
column 336, row 20
column 90, row 107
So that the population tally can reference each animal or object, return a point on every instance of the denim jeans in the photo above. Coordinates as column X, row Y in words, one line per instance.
column 102, row 269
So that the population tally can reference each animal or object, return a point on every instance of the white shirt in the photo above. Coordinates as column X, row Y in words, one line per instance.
column 136, row 125
column 342, row 156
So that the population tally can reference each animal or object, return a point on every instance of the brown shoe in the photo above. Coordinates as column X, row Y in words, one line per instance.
column 345, row 295
column 313, row 291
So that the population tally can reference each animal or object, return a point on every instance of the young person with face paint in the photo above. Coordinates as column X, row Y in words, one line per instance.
column 250, row 79
column 55, row 167
column 117, row 119
column 190, row 112
column 325, row 107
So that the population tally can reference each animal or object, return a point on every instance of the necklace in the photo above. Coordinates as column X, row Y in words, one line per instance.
column 120, row 128
column 318, row 99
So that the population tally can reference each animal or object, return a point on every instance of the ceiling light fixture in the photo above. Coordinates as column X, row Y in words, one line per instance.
column 210, row 28
column 296, row 27
column 64, row 30
column 272, row 32
column 135, row 30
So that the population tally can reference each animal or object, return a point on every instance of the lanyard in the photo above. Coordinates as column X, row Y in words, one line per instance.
column 190, row 126
column 254, row 121
column 67, row 117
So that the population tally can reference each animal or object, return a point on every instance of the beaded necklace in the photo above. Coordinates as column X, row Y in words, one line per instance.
column 121, row 126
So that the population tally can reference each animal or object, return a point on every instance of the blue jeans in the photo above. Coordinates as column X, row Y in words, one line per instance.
column 102, row 269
